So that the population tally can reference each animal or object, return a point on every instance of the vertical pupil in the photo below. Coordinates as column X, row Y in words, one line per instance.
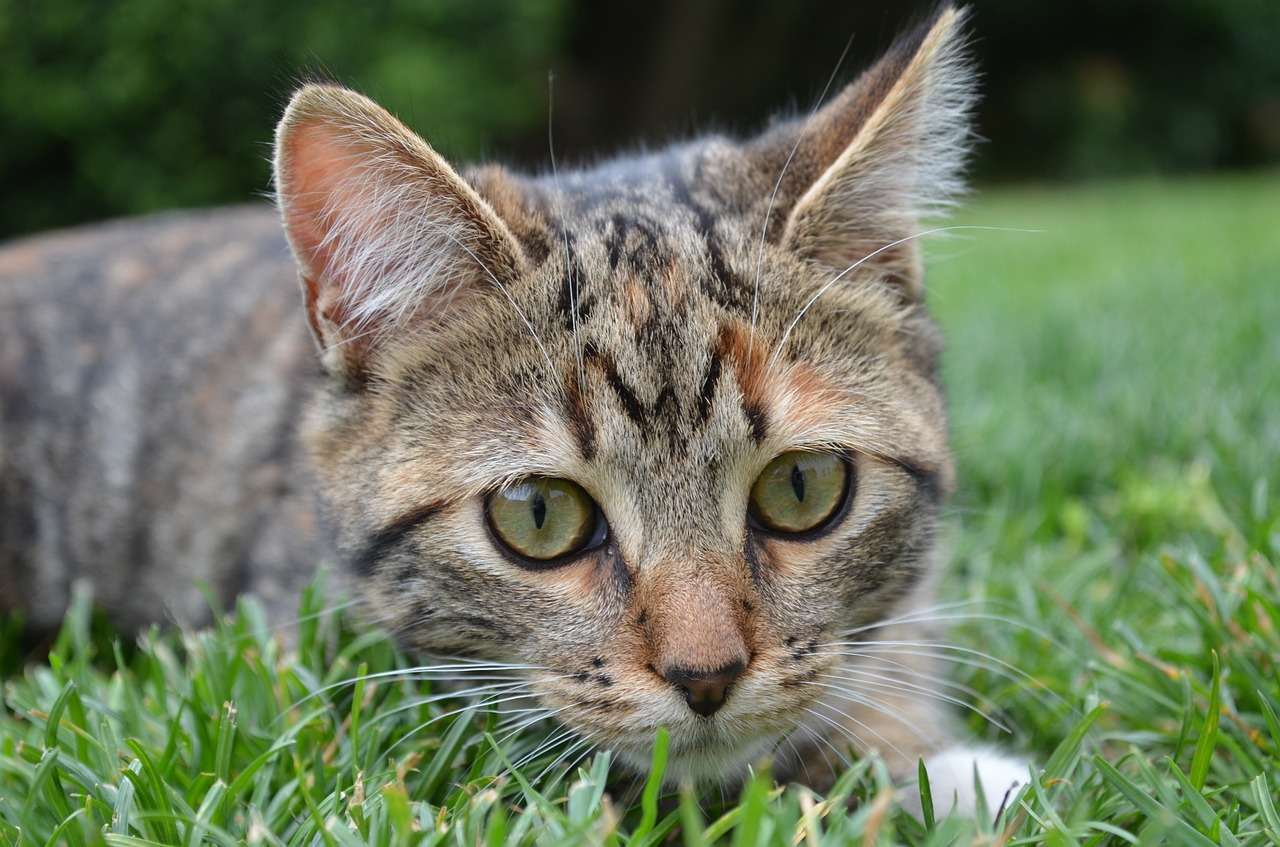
column 797, row 482
column 539, row 510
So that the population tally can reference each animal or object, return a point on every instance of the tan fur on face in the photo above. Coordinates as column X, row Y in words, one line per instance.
column 627, row 328
column 698, row 620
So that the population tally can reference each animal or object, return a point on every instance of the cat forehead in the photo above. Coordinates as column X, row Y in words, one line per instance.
column 651, row 271
column 712, row 168
column 663, row 297
column 673, row 205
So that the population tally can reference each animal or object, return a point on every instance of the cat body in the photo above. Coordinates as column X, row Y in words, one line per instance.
column 152, row 373
column 666, row 435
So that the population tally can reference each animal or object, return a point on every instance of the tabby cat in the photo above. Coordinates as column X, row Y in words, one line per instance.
column 666, row 433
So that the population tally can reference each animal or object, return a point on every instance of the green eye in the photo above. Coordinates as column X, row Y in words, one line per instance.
column 799, row 491
column 545, row 519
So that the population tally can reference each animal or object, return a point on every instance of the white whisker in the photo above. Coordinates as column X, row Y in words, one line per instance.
column 564, row 227
column 777, row 185
column 814, row 737
column 493, row 696
column 560, row 737
column 582, row 749
column 827, row 286
column 517, row 721
column 955, row 654
column 880, row 682
column 482, row 705
column 840, row 727
column 551, row 368
column 439, row 673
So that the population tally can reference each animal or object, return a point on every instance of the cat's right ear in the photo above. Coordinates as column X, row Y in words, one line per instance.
column 390, row 241
column 858, row 176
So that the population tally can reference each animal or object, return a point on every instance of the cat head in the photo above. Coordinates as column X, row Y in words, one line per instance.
column 660, row 430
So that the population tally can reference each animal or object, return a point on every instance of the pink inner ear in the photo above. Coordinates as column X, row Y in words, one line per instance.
column 387, row 237
column 318, row 174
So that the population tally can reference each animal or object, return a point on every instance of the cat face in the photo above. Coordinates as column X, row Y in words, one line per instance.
column 659, row 432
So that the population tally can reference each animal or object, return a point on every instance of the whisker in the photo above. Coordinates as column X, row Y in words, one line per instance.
column 564, row 228
column 585, row 750
column 891, row 684
column 562, row 735
column 885, row 682
column 777, row 185
column 927, row 614
column 515, row 690
column 956, row 655
column 928, row 736
column 517, row 721
column 814, row 737
column 934, row 614
column 551, row 368
column 899, row 668
column 495, row 695
column 443, row 673
column 847, row 732
column 582, row 749
column 485, row 705
column 953, row 654
column 827, row 286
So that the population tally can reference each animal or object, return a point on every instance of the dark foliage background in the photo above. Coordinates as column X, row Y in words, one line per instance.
column 122, row 106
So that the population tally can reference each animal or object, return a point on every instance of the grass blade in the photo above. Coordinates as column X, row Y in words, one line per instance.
column 1208, row 733
column 652, row 787
column 1167, row 818
column 926, row 798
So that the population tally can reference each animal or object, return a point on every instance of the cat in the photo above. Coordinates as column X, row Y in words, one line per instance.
column 667, row 432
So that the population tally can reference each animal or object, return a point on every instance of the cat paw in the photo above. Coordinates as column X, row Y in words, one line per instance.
column 952, row 775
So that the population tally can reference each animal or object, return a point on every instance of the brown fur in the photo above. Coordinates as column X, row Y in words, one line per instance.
column 657, row 330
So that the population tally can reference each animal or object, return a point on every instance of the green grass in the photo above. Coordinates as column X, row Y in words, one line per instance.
column 1115, row 382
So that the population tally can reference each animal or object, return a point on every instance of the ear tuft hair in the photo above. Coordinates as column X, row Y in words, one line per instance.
column 386, row 234
column 887, row 153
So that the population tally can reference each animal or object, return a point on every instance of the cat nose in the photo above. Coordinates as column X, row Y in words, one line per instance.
column 705, row 691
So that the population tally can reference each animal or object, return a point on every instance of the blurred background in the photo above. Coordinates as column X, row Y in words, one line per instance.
column 117, row 107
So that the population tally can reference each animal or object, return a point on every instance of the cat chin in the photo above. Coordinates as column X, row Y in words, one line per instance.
column 953, row 777
column 718, row 764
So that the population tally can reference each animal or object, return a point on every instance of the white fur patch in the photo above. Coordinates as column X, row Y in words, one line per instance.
column 952, row 775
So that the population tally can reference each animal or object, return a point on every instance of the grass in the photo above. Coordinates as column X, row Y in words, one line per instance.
column 1115, row 382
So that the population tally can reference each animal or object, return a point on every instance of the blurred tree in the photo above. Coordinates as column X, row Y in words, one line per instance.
column 122, row 106
column 1109, row 87
column 1086, row 89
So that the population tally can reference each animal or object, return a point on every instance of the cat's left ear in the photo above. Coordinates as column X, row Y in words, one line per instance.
column 887, row 152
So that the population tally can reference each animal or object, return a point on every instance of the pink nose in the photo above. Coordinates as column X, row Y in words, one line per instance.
column 705, row 691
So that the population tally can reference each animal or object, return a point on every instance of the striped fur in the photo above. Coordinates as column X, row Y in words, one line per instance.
column 656, row 329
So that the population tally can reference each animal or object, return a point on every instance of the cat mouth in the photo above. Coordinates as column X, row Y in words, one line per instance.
column 703, row 750
column 756, row 716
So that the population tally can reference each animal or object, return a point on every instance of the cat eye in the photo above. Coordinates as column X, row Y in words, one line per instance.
column 799, row 491
column 543, row 519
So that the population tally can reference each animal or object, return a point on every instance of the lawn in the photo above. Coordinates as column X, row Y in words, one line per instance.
column 1114, row 558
